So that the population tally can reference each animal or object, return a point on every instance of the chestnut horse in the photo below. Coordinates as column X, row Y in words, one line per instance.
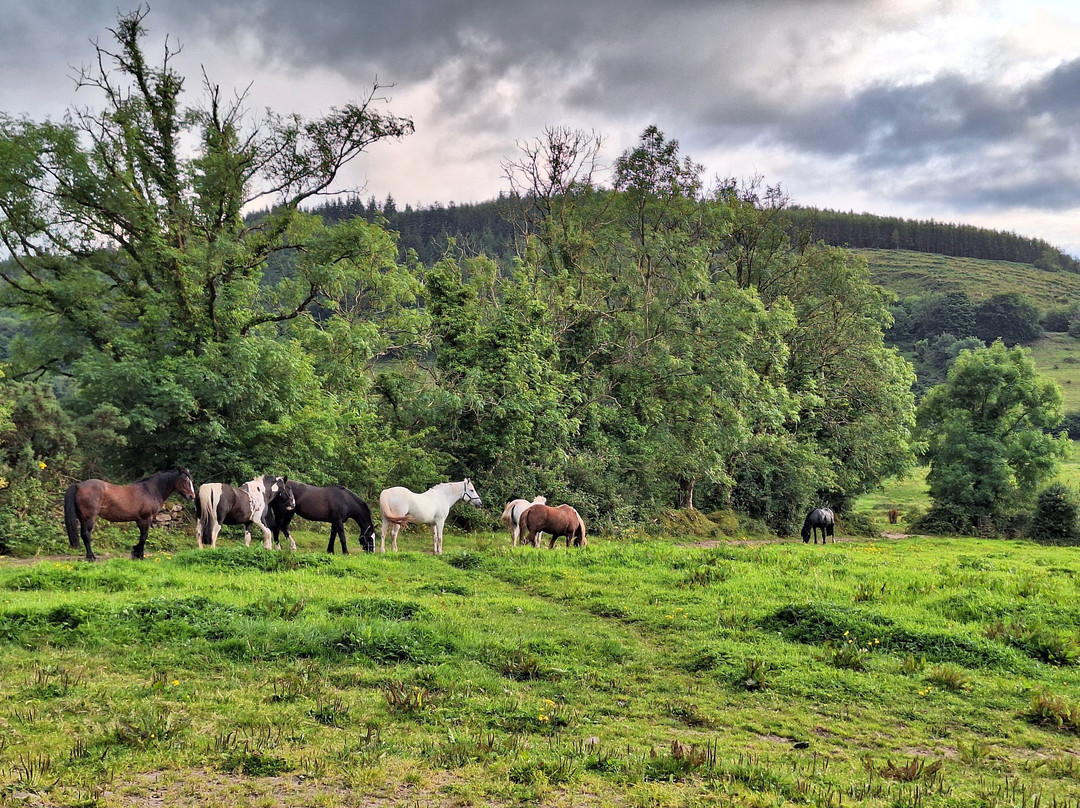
column 139, row 502
column 560, row 521
column 511, row 515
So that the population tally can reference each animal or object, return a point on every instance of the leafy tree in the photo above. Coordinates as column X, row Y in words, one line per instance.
column 987, row 432
column 934, row 356
column 1010, row 317
column 143, row 281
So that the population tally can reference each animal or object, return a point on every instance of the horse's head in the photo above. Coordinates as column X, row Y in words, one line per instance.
column 282, row 492
column 806, row 533
column 470, row 494
column 185, row 485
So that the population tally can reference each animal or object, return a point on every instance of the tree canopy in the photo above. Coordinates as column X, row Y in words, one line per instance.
column 989, row 441
column 653, row 343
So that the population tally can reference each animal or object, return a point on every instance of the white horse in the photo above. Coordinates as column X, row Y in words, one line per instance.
column 400, row 506
column 511, row 515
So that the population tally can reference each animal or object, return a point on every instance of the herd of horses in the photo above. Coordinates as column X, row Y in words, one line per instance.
column 272, row 502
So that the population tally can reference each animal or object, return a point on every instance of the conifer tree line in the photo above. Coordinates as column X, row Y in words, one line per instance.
column 488, row 226
column 655, row 341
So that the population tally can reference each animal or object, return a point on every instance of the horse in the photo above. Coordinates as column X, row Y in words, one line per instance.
column 219, row 504
column 511, row 515
column 138, row 502
column 400, row 506
column 894, row 515
column 560, row 521
column 333, row 503
column 819, row 519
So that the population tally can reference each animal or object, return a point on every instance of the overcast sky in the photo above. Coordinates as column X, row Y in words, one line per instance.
column 955, row 110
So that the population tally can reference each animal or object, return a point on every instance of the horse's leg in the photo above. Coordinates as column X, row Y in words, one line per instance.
column 144, row 528
column 382, row 546
column 268, row 537
column 339, row 529
column 393, row 536
column 86, row 527
column 247, row 534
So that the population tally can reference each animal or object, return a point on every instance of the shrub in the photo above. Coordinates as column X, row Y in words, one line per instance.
column 1057, row 516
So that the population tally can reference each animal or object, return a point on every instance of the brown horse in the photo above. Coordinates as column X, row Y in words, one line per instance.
column 139, row 502
column 560, row 521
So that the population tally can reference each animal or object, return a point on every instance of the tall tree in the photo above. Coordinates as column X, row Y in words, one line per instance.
column 988, row 436
column 143, row 279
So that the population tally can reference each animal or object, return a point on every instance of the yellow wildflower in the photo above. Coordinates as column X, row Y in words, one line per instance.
column 42, row 465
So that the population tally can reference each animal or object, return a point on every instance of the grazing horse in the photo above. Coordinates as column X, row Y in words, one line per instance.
column 334, row 504
column 139, row 502
column 219, row 504
column 819, row 519
column 894, row 515
column 560, row 521
column 400, row 506
column 511, row 515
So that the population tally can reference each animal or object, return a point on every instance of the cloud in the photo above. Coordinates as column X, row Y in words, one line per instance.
column 929, row 106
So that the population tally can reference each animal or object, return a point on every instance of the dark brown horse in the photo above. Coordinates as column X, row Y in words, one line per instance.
column 139, row 502
column 560, row 521
column 332, row 503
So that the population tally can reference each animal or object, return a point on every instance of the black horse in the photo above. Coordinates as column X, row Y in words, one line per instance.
column 819, row 519
column 332, row 503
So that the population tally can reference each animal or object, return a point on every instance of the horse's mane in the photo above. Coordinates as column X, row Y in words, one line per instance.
column 147, row 478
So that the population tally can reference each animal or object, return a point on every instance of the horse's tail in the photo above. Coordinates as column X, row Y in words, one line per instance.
column 206, row 512
column 507, row 517
column 71, row 516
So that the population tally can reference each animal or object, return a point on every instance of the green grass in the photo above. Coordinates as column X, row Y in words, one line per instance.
column 907, row 672
column 1057, row 356
column 913, row 273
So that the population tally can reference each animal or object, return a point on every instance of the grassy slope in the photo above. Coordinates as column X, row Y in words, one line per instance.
column 913, row 273
column 624, row 674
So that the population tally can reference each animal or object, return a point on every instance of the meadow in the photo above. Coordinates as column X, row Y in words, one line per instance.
column 637, row 671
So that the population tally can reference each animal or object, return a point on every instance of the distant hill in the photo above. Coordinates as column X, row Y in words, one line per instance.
column 865, row 230
column 487, row 227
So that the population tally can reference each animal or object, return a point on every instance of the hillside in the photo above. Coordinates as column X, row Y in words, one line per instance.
column 909, row 273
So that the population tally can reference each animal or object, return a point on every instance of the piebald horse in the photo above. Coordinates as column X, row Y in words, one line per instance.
column 139, row 502
column 219, row 504
column 400, row 506
column 511, row 515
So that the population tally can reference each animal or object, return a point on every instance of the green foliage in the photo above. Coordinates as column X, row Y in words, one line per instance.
column 1010, row 317
column 1057, row 515
column 988, row 440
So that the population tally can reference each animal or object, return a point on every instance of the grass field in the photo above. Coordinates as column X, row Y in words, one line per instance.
column 909, row 672
column 914, row 273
